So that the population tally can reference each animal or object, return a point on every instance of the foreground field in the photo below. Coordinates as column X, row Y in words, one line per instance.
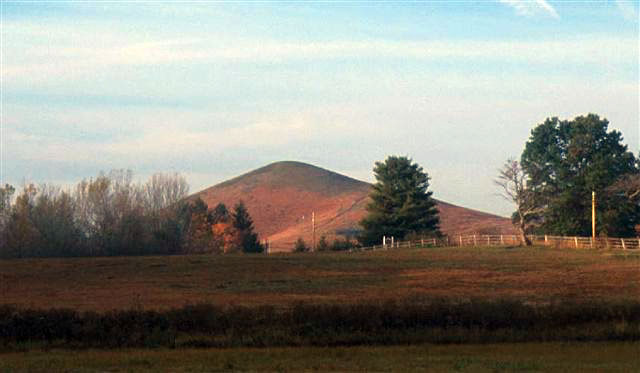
column 534, row 275
column 565, row 357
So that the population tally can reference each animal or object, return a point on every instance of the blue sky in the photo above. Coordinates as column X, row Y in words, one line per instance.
column 215, row 89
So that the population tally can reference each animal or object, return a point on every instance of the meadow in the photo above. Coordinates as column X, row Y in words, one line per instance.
column 536, row 275
column 437, row 309
column 520, row 357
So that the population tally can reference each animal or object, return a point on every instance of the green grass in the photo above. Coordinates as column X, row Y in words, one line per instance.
column 525, row 357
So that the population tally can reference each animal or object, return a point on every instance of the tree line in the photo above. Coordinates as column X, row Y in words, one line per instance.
column 562, row 164
column 111, row 215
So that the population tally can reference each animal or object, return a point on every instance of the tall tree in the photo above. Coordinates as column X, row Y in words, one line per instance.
column 246, row 238
column 164, row 190
column 53, row 217
column 200, row 236
column 6, row 197
column 22, row 237
column 400, row 203
column 568, row 159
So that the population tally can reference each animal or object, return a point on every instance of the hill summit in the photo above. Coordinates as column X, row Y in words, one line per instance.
column 282, row 196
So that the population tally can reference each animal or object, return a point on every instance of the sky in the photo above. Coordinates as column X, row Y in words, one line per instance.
column 214, row 89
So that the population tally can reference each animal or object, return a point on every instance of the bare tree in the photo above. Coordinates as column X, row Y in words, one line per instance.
column 513, row 181
column 164, row 190
column 6, row 197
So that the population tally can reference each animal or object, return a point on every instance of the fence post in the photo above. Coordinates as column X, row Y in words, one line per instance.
column 623, row 245
column 461, row 240
column 422, row 242
column 475, row 240
column 576, row 240
column 449, row 243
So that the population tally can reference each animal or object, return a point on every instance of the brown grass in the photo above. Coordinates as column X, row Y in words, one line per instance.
column 538, row 275
column 536, row 357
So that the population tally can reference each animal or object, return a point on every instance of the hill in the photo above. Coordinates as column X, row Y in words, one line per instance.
column 282, row 196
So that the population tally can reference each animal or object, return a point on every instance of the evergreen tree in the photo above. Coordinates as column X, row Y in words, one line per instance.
column 566, row 161
column 220, row 214
column 400, row 203
column 246, row 238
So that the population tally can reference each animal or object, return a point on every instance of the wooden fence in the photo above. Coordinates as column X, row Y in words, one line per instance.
column 510, row 240
column 588, row 242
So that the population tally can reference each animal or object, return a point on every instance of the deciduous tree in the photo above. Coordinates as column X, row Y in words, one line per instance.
column 565, row 161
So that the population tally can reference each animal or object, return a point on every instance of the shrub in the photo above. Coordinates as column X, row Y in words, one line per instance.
column 342, row 245
column 322, row 245
column 391, row 322
column 301, row 246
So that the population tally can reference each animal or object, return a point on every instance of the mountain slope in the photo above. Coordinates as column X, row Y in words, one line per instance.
column 281, row 197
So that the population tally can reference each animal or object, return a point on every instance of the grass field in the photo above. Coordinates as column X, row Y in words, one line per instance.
column 536, row 275
column 527, row 357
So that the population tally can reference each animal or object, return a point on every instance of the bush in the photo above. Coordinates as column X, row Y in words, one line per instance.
column 391, row 322
column 343, row 245
column 322, row 245
column 301, row 246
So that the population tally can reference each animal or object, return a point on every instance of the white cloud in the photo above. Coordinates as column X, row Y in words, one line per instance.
column 627, row 9
column 450, row 112
column 531, row 7
column 79, row 60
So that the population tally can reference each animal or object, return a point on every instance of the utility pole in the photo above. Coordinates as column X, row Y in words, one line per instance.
column 313, row 231
column 593, row 215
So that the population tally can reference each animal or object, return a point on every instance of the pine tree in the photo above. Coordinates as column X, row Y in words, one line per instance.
column 246, row 238
column 400, row 203
column 220, row 214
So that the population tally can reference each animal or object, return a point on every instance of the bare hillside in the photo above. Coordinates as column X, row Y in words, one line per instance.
column 281, row 197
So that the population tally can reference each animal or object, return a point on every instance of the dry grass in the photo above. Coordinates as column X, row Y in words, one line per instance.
column 532, row 357
column 539, row 275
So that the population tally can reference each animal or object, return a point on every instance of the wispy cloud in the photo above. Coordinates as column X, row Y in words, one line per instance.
column 531, row 7
column 79, row 60
column 627, row 9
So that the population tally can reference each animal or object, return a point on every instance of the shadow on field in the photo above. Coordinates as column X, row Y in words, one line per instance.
column 388, row 323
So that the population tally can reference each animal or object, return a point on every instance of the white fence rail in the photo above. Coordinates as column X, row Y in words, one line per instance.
column 510, row 240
